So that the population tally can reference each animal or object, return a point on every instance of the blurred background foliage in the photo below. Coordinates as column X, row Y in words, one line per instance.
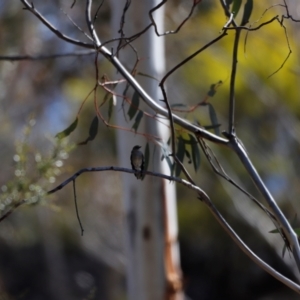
column 42, row 255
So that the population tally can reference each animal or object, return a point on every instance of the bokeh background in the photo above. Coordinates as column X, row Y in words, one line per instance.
column 42, row 252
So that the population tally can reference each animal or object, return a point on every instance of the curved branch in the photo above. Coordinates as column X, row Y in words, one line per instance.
column 283, row 222
column 62, row 36
column 206, row 200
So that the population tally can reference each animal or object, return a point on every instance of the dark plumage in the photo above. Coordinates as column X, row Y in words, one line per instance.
column 137, row 162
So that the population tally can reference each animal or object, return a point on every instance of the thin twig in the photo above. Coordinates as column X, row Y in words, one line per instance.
column 62, row 36
column 131, row 80
column 12, row 209
column 48, row 56
column 205, row 199
column 231, row 122
column 151, row 11
column 173, row 136
column 193, row 55
column 76, row 208
column 281, row 219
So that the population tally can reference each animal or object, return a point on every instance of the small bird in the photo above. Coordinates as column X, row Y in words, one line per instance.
column 137, row 162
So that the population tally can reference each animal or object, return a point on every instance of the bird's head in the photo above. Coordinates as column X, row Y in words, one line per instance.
column 136, row 147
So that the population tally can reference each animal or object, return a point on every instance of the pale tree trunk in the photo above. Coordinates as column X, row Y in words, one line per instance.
column 153, row 270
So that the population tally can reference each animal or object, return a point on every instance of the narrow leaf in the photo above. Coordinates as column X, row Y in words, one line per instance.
column 137, row 120
column 165, row 155
column 208, row 127
column 228, row 2
column 213, row 118
column 213, row 88
column 247, row 12
column 236, row 7
column 126, row 89
column 180, row 154
column 211, row 91
column 93, row 128
column 110, row 108
column 178, row 105
column 195, row 152
column 68, row 130
column 283, row 250
column 188, row 155
column 147, row 75
column 133, row 108
column 297, row 231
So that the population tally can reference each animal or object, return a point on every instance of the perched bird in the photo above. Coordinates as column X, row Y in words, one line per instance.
column 137, row 162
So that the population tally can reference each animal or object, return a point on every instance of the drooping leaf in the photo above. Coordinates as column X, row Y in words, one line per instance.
column 188, row 155
column 93, row 130
column 178, row 105
column 236, row 7
column 110, row 108
column 147, row 75
column 126, row 89
column 195, row 152
column 213, row 118
column 283, row 250
column 169, row 141
column 296, row 230
column 165, row 155
column 213, row 88
column 247, row 12
column 211, row 91
column 180, row 154
column 208, row 127
column 137, row 120
column 134, row 106
column 68, row 130
column 228, row 2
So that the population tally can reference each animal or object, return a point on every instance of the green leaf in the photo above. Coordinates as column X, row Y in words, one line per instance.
column 137, row 120
column 213, row 118
column 147, row 75
column 195, row 152
column 247, row 12
column 68, row 130
column 188, row 155
column 110, row 108
column 211, row 91
column 297, row 231
column 165, row 155
column 178, row 105
column 228, row 2
column 126, row 89
column 208, row 127
column 213, row 88
column 180, row 154
column 283, row 250
column 133, row 108
column 236, row 7
column 93, row 128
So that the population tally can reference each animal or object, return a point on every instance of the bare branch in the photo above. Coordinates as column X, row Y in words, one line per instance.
column 231, row 124
column 66, row 38
column 281, row 219
column 195, row 3
column 48, row 56
column 130, row 79
column 206, row 200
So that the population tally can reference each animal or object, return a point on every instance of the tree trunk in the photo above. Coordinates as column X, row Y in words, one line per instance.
column 151, row 245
